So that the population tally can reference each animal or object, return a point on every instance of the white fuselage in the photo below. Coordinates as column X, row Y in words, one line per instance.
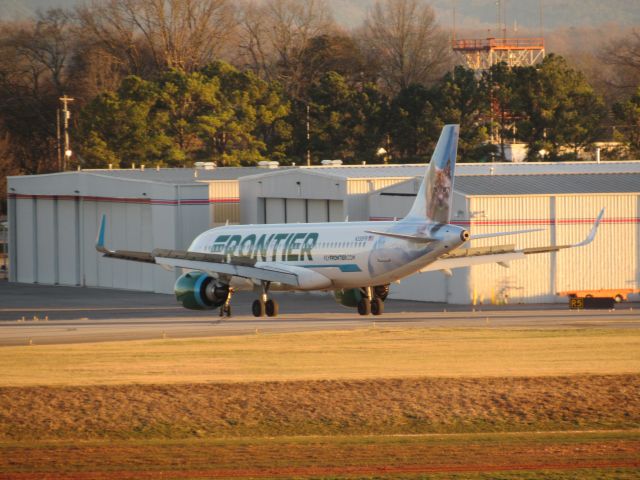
column 345, row 253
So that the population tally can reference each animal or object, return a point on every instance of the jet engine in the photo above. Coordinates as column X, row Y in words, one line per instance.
column 348, row 297
column 351, row 296
column 199, row 291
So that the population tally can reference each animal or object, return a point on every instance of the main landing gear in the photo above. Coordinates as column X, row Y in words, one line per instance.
column 265, row 305
column 370, row 303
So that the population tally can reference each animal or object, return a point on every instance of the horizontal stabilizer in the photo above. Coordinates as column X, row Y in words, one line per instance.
column 409, row 238
column 503, row 234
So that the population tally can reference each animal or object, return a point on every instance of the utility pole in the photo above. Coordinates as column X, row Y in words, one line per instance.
column 308, row 139
column 66, row 115
column 58, row 143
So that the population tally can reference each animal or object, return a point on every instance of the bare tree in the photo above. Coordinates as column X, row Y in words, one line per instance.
column 184, row 34
column 34, row 58
column 275, row 35
column 406, row 41
column 108, row 30
column 623, row 55
column 47, row 44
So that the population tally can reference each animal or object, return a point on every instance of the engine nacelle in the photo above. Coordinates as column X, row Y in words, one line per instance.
column 351, row 296
column 348, row 297
column 199, row 291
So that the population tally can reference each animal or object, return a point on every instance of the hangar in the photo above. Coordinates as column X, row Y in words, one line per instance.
column 53, row 220
column 563, row 206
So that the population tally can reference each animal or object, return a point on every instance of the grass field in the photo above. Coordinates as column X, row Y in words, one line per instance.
column 413, row 403
column 589, row 455
column 360, row 354
column 329, row 407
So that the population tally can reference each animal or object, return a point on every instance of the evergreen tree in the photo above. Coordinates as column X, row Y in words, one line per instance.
column 216, row 114
column 346, row 120
column 462, row 98
column 557, row 108
column 413, row 123
column 629, row 114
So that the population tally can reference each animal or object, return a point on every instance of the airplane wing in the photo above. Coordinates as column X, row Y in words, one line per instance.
column 211, row 263
column 502, row 254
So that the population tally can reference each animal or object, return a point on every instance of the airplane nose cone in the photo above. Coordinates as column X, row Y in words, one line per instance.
column 464, row 235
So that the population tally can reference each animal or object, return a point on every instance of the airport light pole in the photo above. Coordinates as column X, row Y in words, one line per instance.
column 66, row 115
column 308, row 138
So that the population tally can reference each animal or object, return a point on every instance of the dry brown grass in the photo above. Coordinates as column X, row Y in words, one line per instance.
column 336, row 457
column 183, row 408
column 361, row 354
column 400, row 406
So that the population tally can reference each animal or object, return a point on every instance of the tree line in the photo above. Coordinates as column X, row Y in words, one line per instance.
column 172, row 82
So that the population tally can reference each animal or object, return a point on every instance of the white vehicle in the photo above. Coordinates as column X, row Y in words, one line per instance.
column 357, row 260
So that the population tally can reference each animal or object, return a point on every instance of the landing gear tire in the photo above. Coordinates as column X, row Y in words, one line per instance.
column 364, row 306
column 258, row 308
column 271, row 308
column 377, row 306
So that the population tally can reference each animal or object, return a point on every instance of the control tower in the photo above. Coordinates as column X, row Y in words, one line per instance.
column 481, row 54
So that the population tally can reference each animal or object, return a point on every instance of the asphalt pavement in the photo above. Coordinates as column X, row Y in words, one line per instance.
column 39, row 314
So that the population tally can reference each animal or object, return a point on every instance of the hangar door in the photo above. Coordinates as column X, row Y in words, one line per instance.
column 274, row 210
column 298, row 210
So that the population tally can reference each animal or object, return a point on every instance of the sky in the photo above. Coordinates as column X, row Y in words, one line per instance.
column 470, row 13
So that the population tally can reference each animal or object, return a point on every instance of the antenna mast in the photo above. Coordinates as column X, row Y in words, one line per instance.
column 454, row 20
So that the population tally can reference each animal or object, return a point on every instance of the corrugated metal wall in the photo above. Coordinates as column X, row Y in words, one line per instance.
column 611, row 261
column 52, row 235
column 291, row 196
column 358, row 191
column 224, row 196
column 54, row 231
column 25, row 235
column 528, row 278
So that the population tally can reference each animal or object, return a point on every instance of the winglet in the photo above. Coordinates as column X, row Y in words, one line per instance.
column 592, row 233
column 100, row 238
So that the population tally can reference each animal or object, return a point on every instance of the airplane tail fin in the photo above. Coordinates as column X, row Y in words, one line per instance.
column 435, row 196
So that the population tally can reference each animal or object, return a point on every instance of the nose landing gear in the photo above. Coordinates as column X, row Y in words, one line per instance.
column 225, row 308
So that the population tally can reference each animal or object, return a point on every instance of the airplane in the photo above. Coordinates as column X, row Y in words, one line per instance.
column 356, row 260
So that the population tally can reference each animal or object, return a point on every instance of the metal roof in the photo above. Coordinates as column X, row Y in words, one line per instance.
column 506, row 168
column 184, row 175
column 369, row 171
column 187, row 175
column 548, row 184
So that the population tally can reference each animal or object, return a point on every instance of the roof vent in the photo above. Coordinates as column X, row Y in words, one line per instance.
column 205, row 165
column 268, row 164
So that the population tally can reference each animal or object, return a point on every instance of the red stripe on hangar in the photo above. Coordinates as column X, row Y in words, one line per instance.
column 560, row 221
column 132, row 200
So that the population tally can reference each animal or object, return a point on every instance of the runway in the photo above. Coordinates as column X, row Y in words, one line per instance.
column 39, row 315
